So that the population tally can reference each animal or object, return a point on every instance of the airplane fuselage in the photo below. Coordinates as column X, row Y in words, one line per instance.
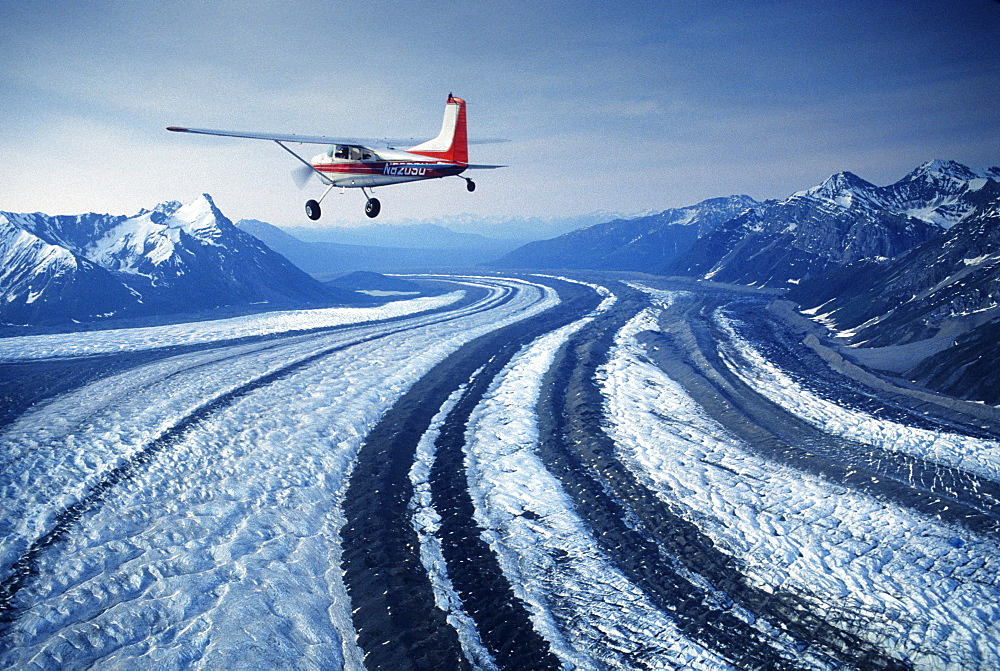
column 356, row 166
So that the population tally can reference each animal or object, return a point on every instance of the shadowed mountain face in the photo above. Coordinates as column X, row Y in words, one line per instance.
column 912, row 266
column 779, row 243
column 174, row 258
column 944, row 293
column 841, row 221
column 647, row 244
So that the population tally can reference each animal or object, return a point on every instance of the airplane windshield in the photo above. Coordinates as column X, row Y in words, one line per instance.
column 350, row 153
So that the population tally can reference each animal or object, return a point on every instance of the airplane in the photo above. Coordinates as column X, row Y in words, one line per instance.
column 352, row 163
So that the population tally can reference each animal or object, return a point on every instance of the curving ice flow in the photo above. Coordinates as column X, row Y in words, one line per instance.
column 52, row 456
column 113, row 341
column 427, row 524
column 223, row 549
column 592, row 616
column 913, row 586
column 974, row 455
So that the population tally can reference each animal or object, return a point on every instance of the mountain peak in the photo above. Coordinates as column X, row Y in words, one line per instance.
column 202, row 219
column 847, row 180
column 168, row 207
column 938, row 169
column 842, row 188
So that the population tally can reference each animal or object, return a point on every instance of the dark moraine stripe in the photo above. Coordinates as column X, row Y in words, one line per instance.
column 399, row 626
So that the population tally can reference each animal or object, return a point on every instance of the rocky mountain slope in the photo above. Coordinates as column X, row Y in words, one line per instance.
column 932, row 313
column 647, row 244
column 843, row 220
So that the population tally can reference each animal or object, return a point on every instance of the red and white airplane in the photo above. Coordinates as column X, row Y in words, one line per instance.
column 350, row 163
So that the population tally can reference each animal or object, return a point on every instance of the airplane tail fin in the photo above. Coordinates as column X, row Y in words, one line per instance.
column 452, row 143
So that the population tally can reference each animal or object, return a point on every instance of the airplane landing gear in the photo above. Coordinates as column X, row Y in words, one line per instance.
column 312, row 206
column 373, row 207
column 469, row 184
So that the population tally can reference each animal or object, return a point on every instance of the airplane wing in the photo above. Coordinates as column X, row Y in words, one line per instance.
column 284, row 137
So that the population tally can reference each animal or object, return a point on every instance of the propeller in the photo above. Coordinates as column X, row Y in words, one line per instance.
column 301, row 175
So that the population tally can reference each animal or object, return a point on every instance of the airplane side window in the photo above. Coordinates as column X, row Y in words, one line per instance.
column 341, row 152
column 355, row 154
column 366, row 156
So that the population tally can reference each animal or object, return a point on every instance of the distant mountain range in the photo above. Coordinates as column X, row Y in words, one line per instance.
column 774, row 243
column 648, row 244
column 377, row 248
column 173, row 258
column 511, row 231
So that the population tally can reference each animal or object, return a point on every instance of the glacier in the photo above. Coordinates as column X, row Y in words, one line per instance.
column 223, row 548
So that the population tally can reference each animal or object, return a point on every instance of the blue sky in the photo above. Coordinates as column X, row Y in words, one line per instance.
column 625, row 106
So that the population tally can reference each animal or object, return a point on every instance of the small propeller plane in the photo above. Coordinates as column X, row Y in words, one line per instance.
column 352, row 163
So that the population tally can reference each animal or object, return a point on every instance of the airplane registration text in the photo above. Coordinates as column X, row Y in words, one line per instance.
column 403, row 170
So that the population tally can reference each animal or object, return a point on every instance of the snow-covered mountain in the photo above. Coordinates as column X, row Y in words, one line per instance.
column 173, row 258
column 647, row 243
column 40, row 280
column 843, row 220
column 778, row 243
column 775, row 243
column 940, row 301
column 941, row 192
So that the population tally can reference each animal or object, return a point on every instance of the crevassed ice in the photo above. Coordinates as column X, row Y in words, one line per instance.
column 919, row 589
column 224, row 549
column 589, row 612
column 974, row 455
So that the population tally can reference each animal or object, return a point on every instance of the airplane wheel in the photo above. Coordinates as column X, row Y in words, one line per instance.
column 312, row 209
column 372, row 207
column 470, row 185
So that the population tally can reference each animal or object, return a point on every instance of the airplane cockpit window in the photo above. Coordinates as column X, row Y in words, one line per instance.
column 349, row 153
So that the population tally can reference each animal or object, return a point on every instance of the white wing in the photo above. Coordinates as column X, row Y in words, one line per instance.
column 301, row 139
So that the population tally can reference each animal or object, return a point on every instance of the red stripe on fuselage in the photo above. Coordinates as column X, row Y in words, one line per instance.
column 396, row 169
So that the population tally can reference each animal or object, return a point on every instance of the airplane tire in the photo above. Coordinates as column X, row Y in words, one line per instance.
column 372, row 207
column 312, row 210
column 470, row 185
